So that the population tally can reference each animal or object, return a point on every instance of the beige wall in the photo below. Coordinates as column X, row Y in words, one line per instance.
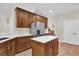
column 3, row 26
column 8, row 24
column 73, row 15
column 56, row 20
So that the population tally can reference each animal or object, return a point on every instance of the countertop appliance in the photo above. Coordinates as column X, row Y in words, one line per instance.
column 37, row 28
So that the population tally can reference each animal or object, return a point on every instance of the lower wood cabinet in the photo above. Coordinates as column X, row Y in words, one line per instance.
column 7, row 48
column 45, row 49
column 29, row 43
column 3, row 52
column 11, row 48
column 51, row 48
column 14, row 46
column 22, row 43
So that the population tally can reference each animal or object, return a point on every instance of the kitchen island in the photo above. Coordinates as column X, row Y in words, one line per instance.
column 45, row 46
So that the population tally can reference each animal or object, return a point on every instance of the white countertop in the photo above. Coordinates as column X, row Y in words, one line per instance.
column 44, row 39
column 14, row 35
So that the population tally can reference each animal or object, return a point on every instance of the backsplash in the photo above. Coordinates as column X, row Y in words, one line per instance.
column 22, row 30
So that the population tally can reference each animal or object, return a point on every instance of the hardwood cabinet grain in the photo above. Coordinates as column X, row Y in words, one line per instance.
column 31, row 19
column 7, row 48
column 23, row 43
column 41, row 19
column 45, row 49
column 56, row 47
column 25, row 18
column 37, row 49
column 29, row 43
column 19, row 17
column 20, row 44
column 11, row 48
column 15, row 45
column 3, row 52
column 22, row 18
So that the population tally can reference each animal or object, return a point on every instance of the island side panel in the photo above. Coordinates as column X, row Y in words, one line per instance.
column 45, row 49
column 37, row 48
column 56, row 46
column 49, row 48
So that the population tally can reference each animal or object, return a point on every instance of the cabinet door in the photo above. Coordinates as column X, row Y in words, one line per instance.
column 31, row 19
column 29, row 43
column 20, row 17
column 26, row 19
column 7, row 48
column 44, row 20
column 41, row 19
column 52, row 48
column 49, row 49
column 11, row 48
column 3, row 52
column 21, row 44
column 38, row 18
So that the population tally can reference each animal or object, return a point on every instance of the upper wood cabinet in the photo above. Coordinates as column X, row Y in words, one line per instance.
column 31, row 19
column 24, row 18
column 41, row 19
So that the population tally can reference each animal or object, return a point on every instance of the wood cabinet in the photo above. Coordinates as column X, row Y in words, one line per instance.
column 45, row 49
column 31, row 19
column 55, row 46
column 7, row 48
column 41, row 19
column 11, row 48
column 29, row 43
column 22, row 18
column 51, row 48
column 15, row 45
column 23, row 43
column 19, row 17
column 3, row 52
column 25, row 18
column 20, row 44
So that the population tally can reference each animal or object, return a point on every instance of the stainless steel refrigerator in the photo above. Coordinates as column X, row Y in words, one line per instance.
column 37, row 28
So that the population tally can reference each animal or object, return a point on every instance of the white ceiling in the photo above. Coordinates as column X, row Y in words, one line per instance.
column 41, row 8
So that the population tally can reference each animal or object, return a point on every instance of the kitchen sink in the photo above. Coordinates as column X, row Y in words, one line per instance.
column 3, row 38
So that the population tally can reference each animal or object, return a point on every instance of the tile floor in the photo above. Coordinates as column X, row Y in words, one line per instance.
column 64, row 50
column 25, row 53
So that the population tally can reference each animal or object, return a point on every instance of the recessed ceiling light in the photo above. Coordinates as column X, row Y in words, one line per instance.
column 50, row 11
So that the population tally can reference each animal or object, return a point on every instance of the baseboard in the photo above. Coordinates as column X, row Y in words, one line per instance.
column 68, row 43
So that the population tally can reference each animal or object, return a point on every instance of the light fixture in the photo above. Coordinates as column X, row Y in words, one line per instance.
column 50, row 11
